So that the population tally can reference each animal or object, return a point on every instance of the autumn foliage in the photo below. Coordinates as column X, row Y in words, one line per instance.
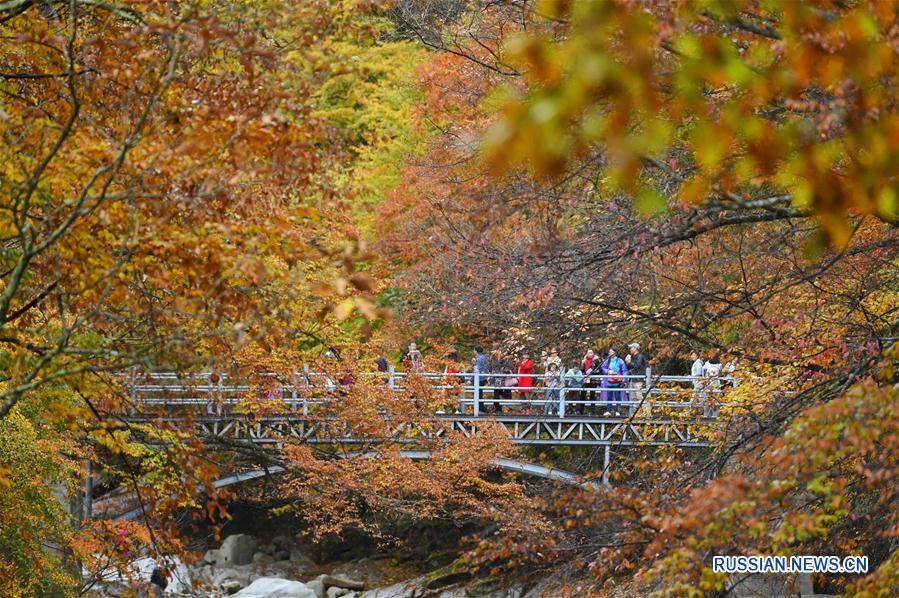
column 247, row 187
column 683, row 174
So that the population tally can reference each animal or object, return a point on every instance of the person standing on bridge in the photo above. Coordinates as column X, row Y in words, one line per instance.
column 482, row 368
column 553, row 383
column 413, row 358
column 503, row 383
column 696, row 371
column 480, row 362
column 614, row 370
column 525, row 371
column 382, row 365
column 711, row 371
column 589, row 365
column 636, row 365
column 697, row 368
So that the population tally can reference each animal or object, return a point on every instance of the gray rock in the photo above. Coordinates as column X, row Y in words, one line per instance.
column 237, row 550
column 260, row 558
column 273, row 587
column 338, row 581
column 298, row 554
column 203, row 572
column 282, row 569
column 317, row 586
column 180, row 581
column 403, row 589
column 281, row 555
column 282, row 542
column 806, row 588
column 761, row 586
column 228, row 576
column 374, row 572
column 301, row 558
column 335, row 592
column 212, row 556
column 231, row 586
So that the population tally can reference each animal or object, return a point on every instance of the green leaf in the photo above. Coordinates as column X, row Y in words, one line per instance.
column 650, row 202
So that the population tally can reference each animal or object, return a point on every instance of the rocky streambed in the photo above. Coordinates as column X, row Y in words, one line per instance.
column 284, row 567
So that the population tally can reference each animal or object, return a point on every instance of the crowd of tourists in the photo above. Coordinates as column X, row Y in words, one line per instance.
column 600, row 384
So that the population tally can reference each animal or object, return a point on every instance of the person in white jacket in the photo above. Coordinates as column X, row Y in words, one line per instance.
column 711, row 370
column 696, row 373
column 698, row 368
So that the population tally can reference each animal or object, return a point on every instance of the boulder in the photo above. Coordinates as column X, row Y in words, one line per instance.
column 300, row 556
column 241, row 576
column 179, row 579
column 317, row 586
column 261, row 558
column 403, row 589
column 375, row 572
column 337, row 581
column 283, row 569
column 274, row 587
column 231, row 586
column 171, row 572
column 281, row 555
column 237, row 550
column 203, row 572
column 335, row 592
column 282, row 542
column 760, row 586
column 212, row 556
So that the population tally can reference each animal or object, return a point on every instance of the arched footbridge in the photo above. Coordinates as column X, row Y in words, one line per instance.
column 662, row 410
column 646, row 411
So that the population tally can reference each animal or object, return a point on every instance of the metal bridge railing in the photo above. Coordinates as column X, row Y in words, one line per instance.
column 472, row 392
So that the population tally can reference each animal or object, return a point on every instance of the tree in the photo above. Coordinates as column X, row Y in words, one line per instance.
column 160, row 208
column 181, row 189
column 33, row 524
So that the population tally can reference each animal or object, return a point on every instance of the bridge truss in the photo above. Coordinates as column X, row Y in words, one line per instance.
column 526, row 430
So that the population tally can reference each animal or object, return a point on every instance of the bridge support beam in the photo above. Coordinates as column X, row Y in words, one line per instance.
column 520, row 467
column 605, row 464
column 476, row 409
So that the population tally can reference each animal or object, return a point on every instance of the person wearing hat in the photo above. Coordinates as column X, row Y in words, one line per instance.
column 637, row 365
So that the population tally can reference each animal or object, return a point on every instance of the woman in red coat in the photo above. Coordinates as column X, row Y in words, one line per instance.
column 524, row 370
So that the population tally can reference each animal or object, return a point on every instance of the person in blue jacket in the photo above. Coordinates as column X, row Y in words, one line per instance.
column 614, row 382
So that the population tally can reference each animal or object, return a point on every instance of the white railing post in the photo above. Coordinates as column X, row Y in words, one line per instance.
column 221, row 393
column 605, row 466
column 477, row 393
column 293, row 391
column 562, row 401
column 390, row 378
column 308, row 388
column 132, row 409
